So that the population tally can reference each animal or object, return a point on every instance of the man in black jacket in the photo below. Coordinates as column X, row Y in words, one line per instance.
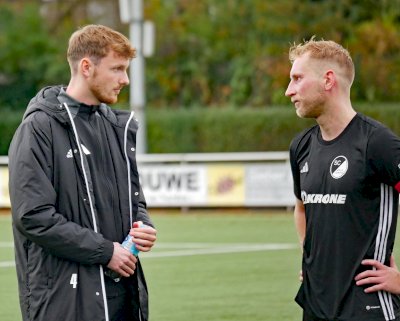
column 75, row 192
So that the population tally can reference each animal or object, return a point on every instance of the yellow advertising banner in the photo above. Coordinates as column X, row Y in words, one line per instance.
column 225, row 185
column 4, row 194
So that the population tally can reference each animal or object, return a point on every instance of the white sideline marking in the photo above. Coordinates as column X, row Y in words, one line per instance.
column 190, row 249
column 6, row 244
column 219, row 249
column 177, row 245
column 7, row 264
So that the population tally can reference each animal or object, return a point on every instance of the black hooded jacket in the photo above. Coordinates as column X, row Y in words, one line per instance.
column 62, row 243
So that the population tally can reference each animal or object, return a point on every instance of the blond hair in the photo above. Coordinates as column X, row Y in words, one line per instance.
column 95, row 42
column 325, row 50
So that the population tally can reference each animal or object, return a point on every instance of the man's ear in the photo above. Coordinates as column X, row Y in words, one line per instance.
column 86, row 67
column 330, row 79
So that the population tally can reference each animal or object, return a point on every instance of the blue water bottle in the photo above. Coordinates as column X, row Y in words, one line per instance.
column 127, row 244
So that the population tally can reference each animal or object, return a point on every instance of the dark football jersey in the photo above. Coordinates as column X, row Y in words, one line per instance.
column 349, row 187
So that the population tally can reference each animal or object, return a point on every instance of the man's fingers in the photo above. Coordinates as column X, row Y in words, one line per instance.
column 378, row 265
column 366, row 274
column 130, row 264
column 127, row 263
column 368, row 280
column 143, row 242
column 127, row 268
column 144, row 236
column 144, row 233
column 374, row 288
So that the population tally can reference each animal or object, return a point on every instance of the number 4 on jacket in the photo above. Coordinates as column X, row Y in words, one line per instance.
column 74, row 280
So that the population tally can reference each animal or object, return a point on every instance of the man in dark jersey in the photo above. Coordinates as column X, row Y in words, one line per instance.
column 346, row 173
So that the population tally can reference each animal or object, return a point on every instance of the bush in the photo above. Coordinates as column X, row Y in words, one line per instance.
column 9, row 121
column 200, row 130
column 238, row 130
column 30, row 55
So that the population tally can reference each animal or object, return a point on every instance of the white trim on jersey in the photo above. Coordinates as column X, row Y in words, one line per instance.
column 385, row 222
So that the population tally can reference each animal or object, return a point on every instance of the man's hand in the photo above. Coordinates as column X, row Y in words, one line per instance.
column 123, row 262
column 301, row 276
column 386, row 278
column 144, row 237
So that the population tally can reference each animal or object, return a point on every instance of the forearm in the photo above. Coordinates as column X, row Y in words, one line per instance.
column 63, row 238
column 300, row 221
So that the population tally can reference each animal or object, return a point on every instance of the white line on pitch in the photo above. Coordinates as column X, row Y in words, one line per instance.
column 190, row 249
column 223, row 249
column 6, row 244
column 7, row 264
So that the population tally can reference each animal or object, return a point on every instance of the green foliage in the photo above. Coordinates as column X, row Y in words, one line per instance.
column 388, row 114
column 212, row 53
column 9, row 121
column 29, row 56
column 234, row 52
column 209, row 52
column 376, row 45
column 239, row 130
column 197, row 130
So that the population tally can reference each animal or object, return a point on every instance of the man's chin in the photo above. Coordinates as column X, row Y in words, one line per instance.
column 302, row 114
column 109, row 101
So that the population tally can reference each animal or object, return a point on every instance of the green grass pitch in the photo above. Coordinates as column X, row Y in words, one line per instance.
column 207, row 265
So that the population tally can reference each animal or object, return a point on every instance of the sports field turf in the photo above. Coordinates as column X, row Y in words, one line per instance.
column 206, row 266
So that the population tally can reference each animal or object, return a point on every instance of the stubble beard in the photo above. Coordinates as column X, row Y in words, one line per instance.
column 98, row 90
column 312, row 108
column 307, row 112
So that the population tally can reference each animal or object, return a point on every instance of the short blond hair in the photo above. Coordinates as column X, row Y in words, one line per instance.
column 96, row 41
column 325, row 50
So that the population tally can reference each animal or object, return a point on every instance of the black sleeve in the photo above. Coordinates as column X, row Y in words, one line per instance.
column 142, row 210
column 34, row 198
column 295, row 168
column 383, row 155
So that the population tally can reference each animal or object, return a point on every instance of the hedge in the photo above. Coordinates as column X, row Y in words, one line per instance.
column 197, row 130
column 239, row 130
column 9, row 121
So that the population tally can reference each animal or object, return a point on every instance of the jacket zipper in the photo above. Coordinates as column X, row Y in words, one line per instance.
column 103, row 288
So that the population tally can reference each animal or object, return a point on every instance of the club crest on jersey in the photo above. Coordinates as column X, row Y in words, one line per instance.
column 339, row 167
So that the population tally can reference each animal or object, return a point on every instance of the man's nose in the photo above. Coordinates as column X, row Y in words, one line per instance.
column 125, row 79
column 289, row 91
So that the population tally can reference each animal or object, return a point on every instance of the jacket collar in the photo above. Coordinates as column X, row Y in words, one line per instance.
column 47, row 100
